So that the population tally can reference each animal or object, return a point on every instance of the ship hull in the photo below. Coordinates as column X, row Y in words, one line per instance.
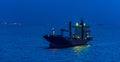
column 59, row 41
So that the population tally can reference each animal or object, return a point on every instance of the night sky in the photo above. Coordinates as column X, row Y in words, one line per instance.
column 102, row 11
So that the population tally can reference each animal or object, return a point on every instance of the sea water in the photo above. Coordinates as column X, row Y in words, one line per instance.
column 25, row 43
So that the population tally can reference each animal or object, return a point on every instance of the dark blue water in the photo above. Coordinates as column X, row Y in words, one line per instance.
column 24, row 22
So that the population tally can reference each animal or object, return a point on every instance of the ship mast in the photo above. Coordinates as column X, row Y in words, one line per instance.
column 82, row 30
column 70, row 29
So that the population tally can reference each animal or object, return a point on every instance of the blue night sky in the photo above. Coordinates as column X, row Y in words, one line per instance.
column 60, row 10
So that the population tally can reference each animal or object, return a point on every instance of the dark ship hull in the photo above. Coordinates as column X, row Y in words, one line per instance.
column 80, row 37
column 59, row 41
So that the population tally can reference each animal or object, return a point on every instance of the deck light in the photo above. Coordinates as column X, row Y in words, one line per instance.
column 84, row 24
column 77, row 24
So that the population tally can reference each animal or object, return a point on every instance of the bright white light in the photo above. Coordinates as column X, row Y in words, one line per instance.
column 84, row 24
column 78, row 37
column 77, row 24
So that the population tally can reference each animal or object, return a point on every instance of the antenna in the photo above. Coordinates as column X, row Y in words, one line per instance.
column 53, row 31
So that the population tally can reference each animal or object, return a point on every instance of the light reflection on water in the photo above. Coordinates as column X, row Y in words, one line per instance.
column 76, row 53
column 79, row 50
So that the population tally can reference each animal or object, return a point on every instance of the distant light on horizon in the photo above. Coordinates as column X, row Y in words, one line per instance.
column 13, row 23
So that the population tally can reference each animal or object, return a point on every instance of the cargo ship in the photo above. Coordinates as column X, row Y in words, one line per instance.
column 78, row 35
